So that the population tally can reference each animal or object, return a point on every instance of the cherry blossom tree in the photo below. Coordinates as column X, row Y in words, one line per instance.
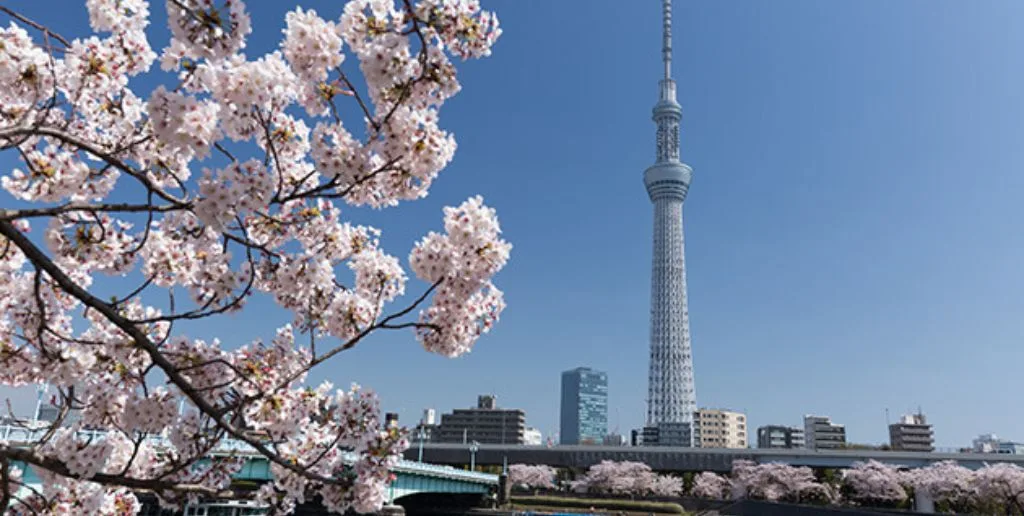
column 1000, row 487
column 626, row 479
column 711, row 486
column 667, row 485
column 944, row 482
column 227, row 183
column 777, row 482
column 874, row 483
column 531, row 476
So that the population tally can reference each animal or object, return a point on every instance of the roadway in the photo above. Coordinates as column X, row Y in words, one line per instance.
column 685, row 459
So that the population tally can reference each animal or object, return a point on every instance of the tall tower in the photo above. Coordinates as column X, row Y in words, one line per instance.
column 671, row 396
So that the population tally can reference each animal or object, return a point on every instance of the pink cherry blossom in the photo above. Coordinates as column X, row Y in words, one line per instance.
column 874, row 481
column 626, row 478
column 531, row 476
column 777, row 482
column 944, row 481
column 204, row 192
column 209, row 29
column 312, row 45
column 1001, row 485
column 711, row 485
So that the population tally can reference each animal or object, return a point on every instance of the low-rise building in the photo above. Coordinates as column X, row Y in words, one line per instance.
column 820, row 433
column 778, row 436
column 717, row 428
column 1011, row 448
column 485, row 424
column 614, row 439
column 985, row 443
column 991, row 443
column 429, row 417
column 532, row 437
column 912, row 433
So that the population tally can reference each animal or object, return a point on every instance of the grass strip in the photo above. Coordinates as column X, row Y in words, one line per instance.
column 605, row 504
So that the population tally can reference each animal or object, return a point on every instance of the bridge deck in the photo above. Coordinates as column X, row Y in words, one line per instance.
column 692, row 459
column 412, row 477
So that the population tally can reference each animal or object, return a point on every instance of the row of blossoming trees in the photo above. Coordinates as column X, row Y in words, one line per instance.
column 992, row 489
column 227, row 182
column 608, row 477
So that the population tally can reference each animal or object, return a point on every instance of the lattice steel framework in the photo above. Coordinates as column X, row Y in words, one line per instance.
column 671, row 396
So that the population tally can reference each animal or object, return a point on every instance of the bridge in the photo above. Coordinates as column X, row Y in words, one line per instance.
column 688, row 459
column 411, row 477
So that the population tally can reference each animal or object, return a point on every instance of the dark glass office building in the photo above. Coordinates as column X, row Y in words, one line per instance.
column 584, row 406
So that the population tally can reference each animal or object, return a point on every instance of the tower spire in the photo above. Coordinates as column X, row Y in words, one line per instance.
column 666, row 37
column 668, row 86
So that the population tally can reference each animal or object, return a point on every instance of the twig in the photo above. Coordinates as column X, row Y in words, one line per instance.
column 34, row 25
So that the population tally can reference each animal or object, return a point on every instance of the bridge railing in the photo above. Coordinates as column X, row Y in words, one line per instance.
column 34, row 431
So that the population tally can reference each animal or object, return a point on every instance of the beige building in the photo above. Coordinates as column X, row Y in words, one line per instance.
column 716, row 428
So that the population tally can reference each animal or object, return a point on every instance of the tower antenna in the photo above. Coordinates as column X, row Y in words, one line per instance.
column 666, row 37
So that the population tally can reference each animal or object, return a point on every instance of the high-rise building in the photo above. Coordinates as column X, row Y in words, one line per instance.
column 821, row 434
column 717, row 428
column 912, row 433
column 584, row 406
column 777, row 436
column 671, row 396
column 486, row 424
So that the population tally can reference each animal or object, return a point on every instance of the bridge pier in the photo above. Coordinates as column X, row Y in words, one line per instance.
column 392, row 510
column 504, row 490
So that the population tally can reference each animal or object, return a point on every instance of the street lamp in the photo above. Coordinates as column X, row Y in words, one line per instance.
column 472, row 455
column 422, row 434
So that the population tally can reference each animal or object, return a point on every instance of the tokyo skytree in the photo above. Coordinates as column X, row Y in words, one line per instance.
column 671, row 396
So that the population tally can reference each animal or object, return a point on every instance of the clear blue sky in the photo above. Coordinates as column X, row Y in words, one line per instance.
column 853, row 230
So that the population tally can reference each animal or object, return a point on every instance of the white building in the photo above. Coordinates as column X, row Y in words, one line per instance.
column 429, row 417
column 532, row 437
column 717, row 428
column 986, row 443
column 821, row 433
column 991, row 443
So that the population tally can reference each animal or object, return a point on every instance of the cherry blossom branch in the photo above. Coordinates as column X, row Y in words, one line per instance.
column 27, row 213
column 355, row 340
column 42, row 28
column 28, row 456
column 36, row 256
column 349, row 344
column 316, row 191
column 95, row 151
column 359, row 99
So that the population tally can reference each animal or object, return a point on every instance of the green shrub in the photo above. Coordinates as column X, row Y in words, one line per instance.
column 609, row 504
